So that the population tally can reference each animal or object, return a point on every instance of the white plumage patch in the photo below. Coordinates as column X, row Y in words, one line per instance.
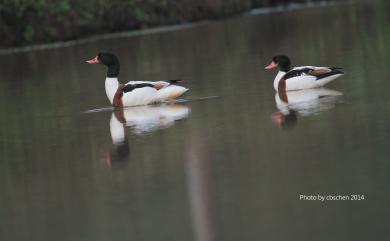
column 140, row 96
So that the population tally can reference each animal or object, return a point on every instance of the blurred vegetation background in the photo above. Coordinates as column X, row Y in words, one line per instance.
column 24, row 22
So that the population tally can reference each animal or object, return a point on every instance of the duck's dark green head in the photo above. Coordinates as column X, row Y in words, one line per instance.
column 109, row 60
column 281, row 61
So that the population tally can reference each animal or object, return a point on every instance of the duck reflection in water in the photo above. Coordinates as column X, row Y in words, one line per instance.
column 139, row 120
column 292, row 104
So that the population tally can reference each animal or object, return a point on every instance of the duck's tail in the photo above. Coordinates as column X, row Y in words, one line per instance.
column 337, row 69
column 173, row 81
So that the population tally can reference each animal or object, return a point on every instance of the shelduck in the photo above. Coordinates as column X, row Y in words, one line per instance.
column 303, row 77
column 134, row 93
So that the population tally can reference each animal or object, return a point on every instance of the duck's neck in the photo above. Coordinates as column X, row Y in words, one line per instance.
column 113, row 70
column 285, row 68
column 111, row 87
column 277, row 79
column 112, row 82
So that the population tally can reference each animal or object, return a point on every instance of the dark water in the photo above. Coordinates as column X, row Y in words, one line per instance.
column 227, row 168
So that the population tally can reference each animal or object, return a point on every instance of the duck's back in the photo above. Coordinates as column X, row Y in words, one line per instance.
column 306, row 77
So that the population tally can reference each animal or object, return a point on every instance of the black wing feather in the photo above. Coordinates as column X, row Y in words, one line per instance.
column 296, row 72
column 131, row 87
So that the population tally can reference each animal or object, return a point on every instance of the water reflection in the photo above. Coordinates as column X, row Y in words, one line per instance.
column 139, row 120
column 292, row 104
column 202, row 190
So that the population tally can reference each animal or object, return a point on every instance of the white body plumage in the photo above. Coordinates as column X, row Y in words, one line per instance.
column 144, row 95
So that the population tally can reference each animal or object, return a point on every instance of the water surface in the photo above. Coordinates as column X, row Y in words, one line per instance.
column 227, row 168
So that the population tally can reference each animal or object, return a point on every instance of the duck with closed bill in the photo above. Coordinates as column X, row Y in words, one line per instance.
column 303, row 77
column 134, row 93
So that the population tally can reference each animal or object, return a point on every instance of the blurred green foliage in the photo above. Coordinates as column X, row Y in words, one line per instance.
column 37, row 21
